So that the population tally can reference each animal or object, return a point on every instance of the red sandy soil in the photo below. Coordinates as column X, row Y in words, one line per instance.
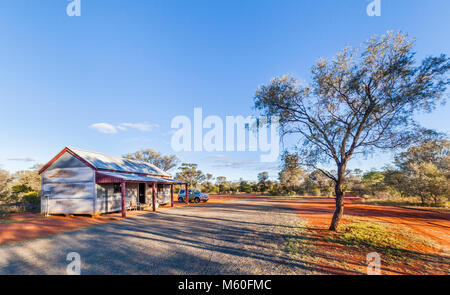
column 430, row 224
column 335, row 258
column 338, row 259
column 332, row 258
column 40, row 227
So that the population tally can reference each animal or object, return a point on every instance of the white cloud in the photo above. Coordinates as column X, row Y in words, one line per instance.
column 146, row 127
column 22, row 159
column 110, row 129
column 104, row 128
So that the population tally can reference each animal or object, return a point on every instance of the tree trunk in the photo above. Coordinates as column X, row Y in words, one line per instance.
column 338, row 189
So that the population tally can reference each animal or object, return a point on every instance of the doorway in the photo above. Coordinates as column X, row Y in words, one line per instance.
column 142, row 193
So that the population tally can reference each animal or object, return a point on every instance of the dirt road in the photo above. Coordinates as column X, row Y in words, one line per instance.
column 234, row 237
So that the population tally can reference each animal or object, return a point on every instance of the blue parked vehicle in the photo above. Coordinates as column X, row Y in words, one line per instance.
column 194, row 196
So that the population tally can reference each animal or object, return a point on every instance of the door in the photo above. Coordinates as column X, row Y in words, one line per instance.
column 142, row 193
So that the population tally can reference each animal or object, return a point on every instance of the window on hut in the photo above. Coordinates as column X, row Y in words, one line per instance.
column 117, row 188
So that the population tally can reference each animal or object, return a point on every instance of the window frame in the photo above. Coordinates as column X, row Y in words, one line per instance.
column 115, row 190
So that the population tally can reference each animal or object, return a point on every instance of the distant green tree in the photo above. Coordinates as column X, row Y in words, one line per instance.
column 396, row 180
column 263, row 184
column 318, row 183
column 5, row 185
column 163, row 162
column 207, row 184
column 373, row 181
column 426, row 171
column 291, row 174
column 222, row 184
column 190, row 174
column 209, row 177
column 245, row 187
column 354, row 181
column 26, row 181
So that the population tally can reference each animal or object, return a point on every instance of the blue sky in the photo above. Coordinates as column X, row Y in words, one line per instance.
column 137, row 64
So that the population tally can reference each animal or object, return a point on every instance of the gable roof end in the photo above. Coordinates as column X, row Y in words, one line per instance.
column 98, row 161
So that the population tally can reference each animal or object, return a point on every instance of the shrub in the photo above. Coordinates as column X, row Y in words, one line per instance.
column 245, row 188
column 213, row 189
column 31, row 197
column 439, row 201
column 315, row 192
column 273, row 191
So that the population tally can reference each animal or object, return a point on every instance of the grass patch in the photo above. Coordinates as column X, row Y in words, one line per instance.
column 7, row 209
column 295, row 197
column 5, row 221
column 295, row 242
column 394, row 243
column 389, row 200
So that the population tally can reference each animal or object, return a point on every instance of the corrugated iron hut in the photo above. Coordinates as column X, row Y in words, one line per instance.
column 82, row 182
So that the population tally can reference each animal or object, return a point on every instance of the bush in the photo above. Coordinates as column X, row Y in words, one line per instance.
column 213, row 189
column 365, row 196
column 292, row 193
column 439, row 201
column 245, row 188
column 274, row 191
column 315, row 192
column 328, row 192
column 31, row 197
column 234, row 189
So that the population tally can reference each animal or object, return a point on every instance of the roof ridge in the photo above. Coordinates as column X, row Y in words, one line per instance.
column 74, row 149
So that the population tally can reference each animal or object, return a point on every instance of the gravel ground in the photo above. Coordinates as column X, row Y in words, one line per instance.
column 234, row 237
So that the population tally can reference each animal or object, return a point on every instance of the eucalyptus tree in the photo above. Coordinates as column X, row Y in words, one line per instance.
column 164, row 162
column 425, row 168
column 362, row 100
column 291, row 174
column 5, row 185
column 190, row 173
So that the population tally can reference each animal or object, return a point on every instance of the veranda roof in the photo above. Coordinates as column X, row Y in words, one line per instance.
column 111, row 177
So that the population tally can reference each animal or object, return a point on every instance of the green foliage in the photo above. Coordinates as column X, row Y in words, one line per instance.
column 31, row 197
column 21, row 189
column 424, row 171
column 274, row 190
column 316, row 182
column 5, row 185
column 373, row 181
column 315, row 192
column 28, row 179
column 164, row 162
column 291, row 174
column 213, row 189
column 245, row 187
column 190, row 174
column 263, row 183
column 22, row 186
